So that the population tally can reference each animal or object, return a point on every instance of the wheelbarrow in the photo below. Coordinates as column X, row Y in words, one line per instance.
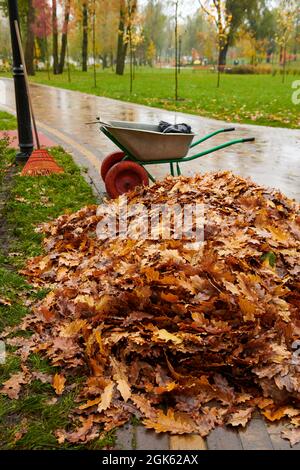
column 142, row 145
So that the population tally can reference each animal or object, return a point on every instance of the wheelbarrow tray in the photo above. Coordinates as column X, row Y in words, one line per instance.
column 146, row 143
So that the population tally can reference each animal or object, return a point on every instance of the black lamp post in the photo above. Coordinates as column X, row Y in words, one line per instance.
column 22, row 103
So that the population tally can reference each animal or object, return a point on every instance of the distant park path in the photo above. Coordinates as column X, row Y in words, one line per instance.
column 273, row 160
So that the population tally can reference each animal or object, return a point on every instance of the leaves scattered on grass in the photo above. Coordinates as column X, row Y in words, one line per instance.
column 29, row 421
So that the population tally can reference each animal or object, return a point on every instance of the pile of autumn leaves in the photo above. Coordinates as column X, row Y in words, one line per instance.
column 184, row 337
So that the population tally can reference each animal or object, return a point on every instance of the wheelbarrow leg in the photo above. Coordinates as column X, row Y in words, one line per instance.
column 178, row 169
column 172, row 168
column 149, row 174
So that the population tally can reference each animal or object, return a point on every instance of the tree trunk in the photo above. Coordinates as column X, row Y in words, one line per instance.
column 223, row 56
column 104, row 59
column 284, row 63
column 84, row 37
column 131, row 61
column 281, row 55
column 122, row 45
column 176, row 50
column 94, row 43
column 54, row 37
column 29, row 46
column 64, row 37
column 112, row 60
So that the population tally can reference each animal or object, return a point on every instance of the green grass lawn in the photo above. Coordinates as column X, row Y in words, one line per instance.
column 7, row 121
column 30, row 421
column 256, row 99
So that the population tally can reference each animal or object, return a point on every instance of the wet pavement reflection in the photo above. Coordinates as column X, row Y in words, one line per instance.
column 272, row 160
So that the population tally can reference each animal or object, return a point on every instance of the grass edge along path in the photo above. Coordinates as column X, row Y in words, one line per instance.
column 29, row 421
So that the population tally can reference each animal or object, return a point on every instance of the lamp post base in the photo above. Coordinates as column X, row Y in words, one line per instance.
column 22, row 157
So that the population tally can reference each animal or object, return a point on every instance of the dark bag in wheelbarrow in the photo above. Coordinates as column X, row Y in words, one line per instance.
column 168, row 128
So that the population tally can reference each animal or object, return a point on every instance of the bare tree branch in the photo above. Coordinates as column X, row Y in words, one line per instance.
column 208, row 12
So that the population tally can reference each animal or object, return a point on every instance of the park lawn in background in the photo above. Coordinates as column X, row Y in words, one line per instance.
column 29, row 422
column 254, row 99
column 7, row 121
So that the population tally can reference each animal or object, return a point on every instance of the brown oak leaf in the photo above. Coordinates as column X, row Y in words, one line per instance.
column 121, row 377
column 293, row 435
column 106, row 397
column 12, row 386
column 240, row 418
column 173, row 422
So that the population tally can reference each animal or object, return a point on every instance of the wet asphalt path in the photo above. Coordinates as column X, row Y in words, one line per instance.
column 272, row 160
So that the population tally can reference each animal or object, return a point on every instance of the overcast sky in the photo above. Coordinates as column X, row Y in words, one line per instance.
column 189, row 7
column 186, row 7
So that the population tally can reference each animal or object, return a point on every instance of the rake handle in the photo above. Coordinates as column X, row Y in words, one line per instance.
column 27, row 83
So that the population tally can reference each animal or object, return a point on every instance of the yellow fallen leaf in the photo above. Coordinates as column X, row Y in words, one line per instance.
column 61, row 272
column 144, row 405
column 280, row 353
column 283, row 309
column 248, row 309
column 44, row 263
column 278, row 234
column 274, row 414
column 264, row 403
column 198, row 317
column 166, row 336
column 231, row 287
column 151, row 274
column 99, row 339
column 72, row 328
column 120, row 376
column 90, row 403
column 169, row 297
column 243, row 397
column 85, row 299
column 104, row 303
column 240, row 418
column 106, row 397
column 173, row 422
column 59, row 383
column 165, row 388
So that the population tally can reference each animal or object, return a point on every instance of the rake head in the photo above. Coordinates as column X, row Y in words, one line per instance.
column 41, row 163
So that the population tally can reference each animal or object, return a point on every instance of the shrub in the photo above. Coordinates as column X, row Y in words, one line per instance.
column 263, row 69
column 5, row 67
column 240, row 69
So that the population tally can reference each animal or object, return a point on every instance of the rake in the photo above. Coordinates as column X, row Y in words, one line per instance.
column 40, row 162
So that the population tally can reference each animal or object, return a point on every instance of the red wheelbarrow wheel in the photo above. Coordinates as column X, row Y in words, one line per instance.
column 124, row 177
column 110, row 161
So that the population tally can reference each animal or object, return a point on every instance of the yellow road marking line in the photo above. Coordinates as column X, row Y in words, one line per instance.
column 60, row 135
column 89, row 155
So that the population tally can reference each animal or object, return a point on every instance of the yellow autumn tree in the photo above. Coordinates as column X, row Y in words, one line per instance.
column 218, row 15
column 150, row 53
column 286, row 19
